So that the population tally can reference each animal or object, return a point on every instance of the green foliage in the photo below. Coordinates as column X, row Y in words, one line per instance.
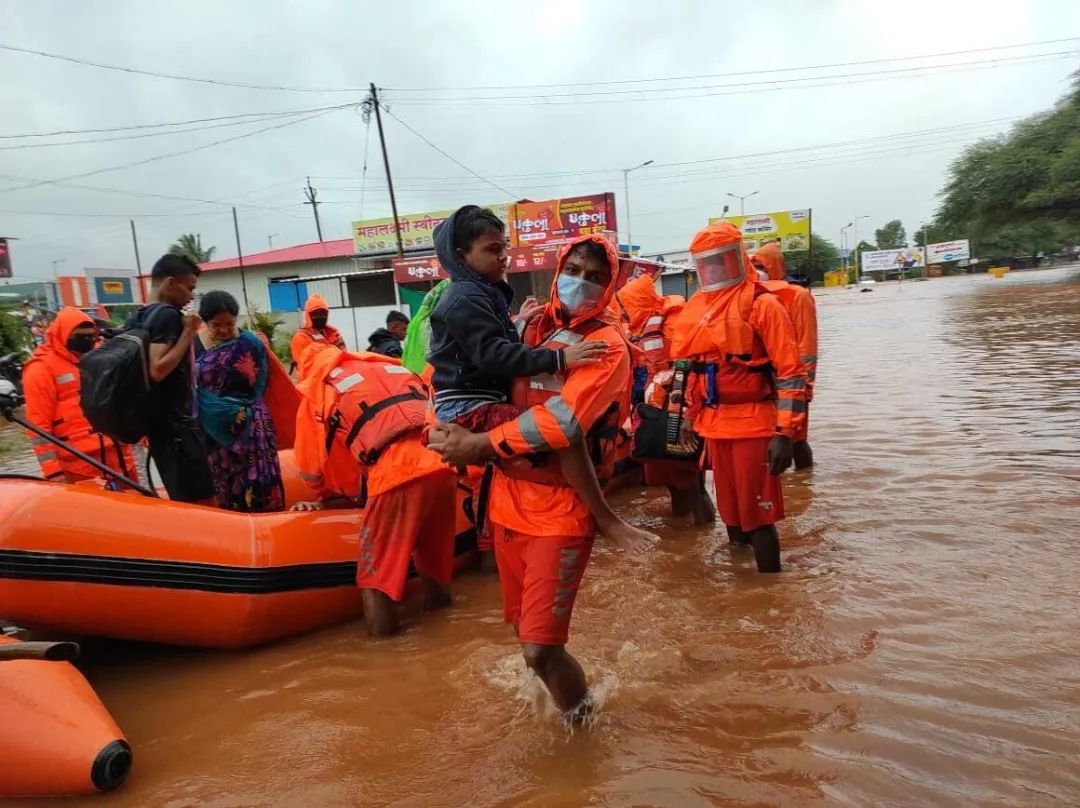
column 265, row 322
column 866, row 246
column 190, row 244
column 1015, row 195
column 14, row 335
column 891, row 236
column 826, row 257
column 281, row 346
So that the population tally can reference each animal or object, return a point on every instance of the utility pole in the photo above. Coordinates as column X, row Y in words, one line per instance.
column 240, row 258
column 138, row 263
column 310, row 194
column 374, row 102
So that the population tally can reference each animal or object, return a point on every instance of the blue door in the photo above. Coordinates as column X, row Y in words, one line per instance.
column 287, row 295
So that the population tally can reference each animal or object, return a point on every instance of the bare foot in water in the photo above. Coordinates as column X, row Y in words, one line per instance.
column 633, row 540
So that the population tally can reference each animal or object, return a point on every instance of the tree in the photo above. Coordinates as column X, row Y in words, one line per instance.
column 1019, row 193
column 190, row 244
column 892, row 236
column 826, row 258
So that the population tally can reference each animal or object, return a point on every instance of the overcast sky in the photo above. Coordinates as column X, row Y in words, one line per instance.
column 550, row 142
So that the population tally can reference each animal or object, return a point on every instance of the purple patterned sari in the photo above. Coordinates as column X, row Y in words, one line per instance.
column 240, row 441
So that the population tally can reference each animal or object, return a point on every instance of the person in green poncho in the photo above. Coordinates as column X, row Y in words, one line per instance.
column 414, row 355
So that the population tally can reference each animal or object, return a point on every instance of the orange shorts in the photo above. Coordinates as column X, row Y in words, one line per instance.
column 747, row 496
column 539, row 578
column 411, row 521
column 803, row 432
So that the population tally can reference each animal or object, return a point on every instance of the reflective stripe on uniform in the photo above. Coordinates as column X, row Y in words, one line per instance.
column 564, row 417
column 348, row 382
column 65, row 378
column 565, row 337
column 654, row 321
column 798, row 383
column 46, row 456
column 530, row 432
column 791, row 405
column 808, row 359
column 545, row 381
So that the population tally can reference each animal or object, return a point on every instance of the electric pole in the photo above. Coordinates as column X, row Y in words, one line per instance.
column 310, row 194
column 373, row 102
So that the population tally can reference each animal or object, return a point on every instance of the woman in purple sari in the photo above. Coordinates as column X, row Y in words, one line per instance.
column 232, row 372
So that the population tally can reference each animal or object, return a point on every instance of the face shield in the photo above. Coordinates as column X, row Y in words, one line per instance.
column 720, row 268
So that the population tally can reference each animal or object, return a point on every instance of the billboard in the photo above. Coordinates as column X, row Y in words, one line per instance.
column 959, row 250
column 372, row 236
column 562, row 219
column 5, row 259
column 790, row 227
column 522, row 259
column 892, row 260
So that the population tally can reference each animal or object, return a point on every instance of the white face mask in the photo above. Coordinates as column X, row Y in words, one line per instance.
column 577, row 294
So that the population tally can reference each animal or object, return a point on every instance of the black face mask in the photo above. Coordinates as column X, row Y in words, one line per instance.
column 318, row 321
column 80, row 343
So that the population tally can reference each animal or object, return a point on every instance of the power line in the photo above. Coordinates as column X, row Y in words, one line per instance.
column 744, row 87
column 735, row 73
column 178, row 77
column 245, row 122
column 132, row 127
column 449, row 157
column 158, row 157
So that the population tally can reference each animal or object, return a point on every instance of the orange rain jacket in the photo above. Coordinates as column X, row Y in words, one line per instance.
column 800, row 306
column 334, row 381
column 308, row 334
column 585, row 399
column 746, row 334
column 51, row 386
column 646, row 316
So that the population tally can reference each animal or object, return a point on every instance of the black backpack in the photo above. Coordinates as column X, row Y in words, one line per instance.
column 115, row 393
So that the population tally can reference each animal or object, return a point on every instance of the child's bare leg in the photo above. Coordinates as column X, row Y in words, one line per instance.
column 579, row 472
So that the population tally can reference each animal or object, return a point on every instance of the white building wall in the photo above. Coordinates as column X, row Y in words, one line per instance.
column 258, row 279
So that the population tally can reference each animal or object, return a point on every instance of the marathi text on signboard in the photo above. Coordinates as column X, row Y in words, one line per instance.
column 522, row 259
column 372, row 236
column 562, row 219
column 959, row 250
column 790, row 227
column 892, row 260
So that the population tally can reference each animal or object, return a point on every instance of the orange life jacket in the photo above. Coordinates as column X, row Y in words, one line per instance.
column 531, row 391
column 374, row 405
column 741, row 372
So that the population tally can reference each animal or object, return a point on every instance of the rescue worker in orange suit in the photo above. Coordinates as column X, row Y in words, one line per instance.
column 315, row 329
column 51, row 387
column 543, row 532
column 370, row 410
column 648, row 318
column 800, row 306
column 750, row 390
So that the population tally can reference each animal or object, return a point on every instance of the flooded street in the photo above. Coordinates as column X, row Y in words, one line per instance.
column 922, row 647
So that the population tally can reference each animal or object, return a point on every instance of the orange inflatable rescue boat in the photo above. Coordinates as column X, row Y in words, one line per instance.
column 56, row 738
column 82, row 560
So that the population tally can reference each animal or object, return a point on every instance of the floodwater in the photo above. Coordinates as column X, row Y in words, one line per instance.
column 922, row 648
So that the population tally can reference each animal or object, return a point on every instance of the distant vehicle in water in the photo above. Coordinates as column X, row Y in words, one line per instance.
column 866, row 280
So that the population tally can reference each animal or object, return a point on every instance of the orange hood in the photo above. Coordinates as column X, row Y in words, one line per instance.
column 714, row 322
column 314, row 303
column 771, row 259
column 640, row 301
column 56, row 335
column 554, row 317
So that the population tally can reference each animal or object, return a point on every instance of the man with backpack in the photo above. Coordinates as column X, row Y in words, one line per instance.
column 176, row 440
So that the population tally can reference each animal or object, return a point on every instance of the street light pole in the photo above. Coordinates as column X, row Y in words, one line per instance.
column 855, row 238
column 626, row 190
column 843, row 245
column 742, row 200
column 270, row 239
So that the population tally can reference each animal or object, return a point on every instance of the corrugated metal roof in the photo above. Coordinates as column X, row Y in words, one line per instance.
column 339, row 248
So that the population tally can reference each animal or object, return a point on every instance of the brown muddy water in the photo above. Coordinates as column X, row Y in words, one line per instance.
column 922, row 648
